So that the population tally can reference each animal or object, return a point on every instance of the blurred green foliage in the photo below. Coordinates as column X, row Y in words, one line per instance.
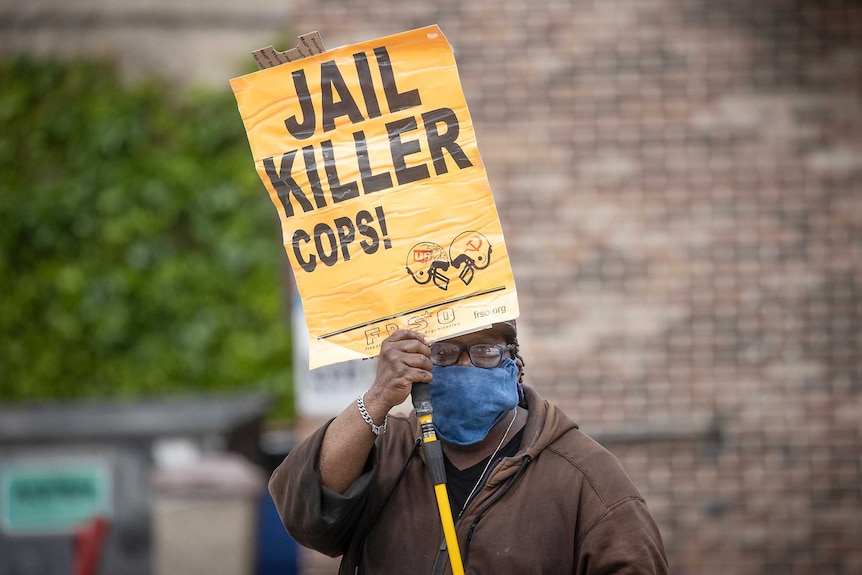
column 139, row 252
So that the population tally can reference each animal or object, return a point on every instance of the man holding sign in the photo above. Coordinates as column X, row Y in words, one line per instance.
column 369, row 156
column 529, row 493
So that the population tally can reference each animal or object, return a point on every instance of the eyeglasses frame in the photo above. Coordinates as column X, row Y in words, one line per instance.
column 503, row 347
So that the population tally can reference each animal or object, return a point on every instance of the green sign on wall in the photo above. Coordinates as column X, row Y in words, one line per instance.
column 52, row 497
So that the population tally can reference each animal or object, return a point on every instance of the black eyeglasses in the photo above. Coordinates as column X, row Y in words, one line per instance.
column 487, row 355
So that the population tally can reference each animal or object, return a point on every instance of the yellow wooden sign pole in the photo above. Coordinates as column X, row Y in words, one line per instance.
column 434, row 461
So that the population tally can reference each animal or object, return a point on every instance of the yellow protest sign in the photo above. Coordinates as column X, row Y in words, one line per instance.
column 369, row 156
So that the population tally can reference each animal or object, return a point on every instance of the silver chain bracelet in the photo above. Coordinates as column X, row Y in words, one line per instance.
column 377, row 429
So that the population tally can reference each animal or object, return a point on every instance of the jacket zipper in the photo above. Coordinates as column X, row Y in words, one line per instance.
column 441, row 558
column 525, row 460
column 441, row 555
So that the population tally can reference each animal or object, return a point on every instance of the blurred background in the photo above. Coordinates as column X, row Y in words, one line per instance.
column 680, row 185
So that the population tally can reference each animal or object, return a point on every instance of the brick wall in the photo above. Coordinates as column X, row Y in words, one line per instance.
column 680, row 183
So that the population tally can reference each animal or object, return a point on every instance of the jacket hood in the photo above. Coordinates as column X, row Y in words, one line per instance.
column 545, row 424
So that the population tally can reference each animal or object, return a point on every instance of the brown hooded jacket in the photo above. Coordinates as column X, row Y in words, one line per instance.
column 563, row 504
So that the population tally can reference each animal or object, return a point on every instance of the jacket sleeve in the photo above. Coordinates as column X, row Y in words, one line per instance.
column 625, row 541
column 314, row 515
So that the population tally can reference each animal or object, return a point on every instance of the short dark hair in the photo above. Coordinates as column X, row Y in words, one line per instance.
column 510, row 330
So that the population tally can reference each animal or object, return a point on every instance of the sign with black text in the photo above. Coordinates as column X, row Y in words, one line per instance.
column 388, row 220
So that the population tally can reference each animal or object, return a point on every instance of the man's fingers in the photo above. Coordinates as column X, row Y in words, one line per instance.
column 408, row 334
column 419, row 376
column 404, row 359
column 406, row 355
column 419, row 360
column 404, row 341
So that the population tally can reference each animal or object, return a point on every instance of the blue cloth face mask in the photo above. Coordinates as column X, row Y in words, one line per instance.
column 469, row 400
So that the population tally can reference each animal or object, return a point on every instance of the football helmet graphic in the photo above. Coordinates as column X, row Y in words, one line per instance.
column 426, row 262
column 469, row 251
